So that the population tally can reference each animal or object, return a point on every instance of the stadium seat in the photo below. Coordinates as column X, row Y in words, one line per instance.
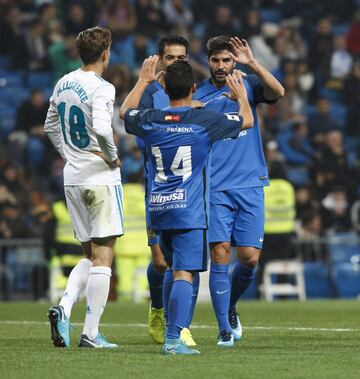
column 270, row 15
column 342, row 247
column 11, row 78
column 7, row 124
column 317, row 280
column 39, row 79
column 346, row 277
column 331, row 94
column 338, row 113
column 14, row 95
column 290, row 268
column 298, row 176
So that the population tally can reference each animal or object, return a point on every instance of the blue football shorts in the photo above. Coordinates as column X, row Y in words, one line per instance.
column 153, row 237
column 185, row 249
column 237, row 216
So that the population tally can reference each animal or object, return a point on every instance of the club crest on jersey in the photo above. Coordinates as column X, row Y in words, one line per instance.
column 172, row 117
column 167, row 197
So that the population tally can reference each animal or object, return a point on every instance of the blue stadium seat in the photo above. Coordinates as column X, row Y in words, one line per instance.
column 340, row 28
column 39, row 79
column 14, row 95
column 317, row 280
column 270, row 15
column 331, row 94
column 338, row 113
column 346, row 277
column 342, row 247
column 11, row 78
column 298, row 176
column 7, row 125
column 47, row 91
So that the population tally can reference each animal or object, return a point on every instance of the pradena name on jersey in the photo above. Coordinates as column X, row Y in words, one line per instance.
column 78, row 123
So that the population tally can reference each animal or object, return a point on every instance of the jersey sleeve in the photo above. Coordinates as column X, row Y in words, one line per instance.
column 133, row 122
column 146, row 101
column 258, row 90
column 224, row 126
column 52, row 127
column 102, row 115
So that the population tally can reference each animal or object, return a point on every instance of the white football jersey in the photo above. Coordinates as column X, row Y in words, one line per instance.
column 78, row 123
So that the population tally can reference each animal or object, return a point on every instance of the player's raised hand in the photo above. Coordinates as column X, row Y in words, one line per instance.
column 147, row 72
column 242, row 52
column 236, row 85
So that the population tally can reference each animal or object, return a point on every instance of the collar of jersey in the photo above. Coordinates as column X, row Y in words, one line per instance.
column 175, row 109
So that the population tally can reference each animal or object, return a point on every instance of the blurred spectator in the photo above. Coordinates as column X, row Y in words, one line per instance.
column 251, row 24
column 263, row 46
column 352, row 99
column 37, row 46
column 320, row 122
column 290, row 38
column 64, row 56
column 76, row 19
column 14, row 181
column 12, row 41
column 341, row 60
column 304, row 201
column 151, row 19
column 179, row 15
column 198, row 61
column 12, row 222
column 308, row 231
column 321, row 48
column 221, row 23
column 292, row 104
column 336, row 212
column 119, row 76
column 119, row 17
column 295, row 145
column 306, row 77
column 353, row 36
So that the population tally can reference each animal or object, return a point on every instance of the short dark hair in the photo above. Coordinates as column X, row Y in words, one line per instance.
column 178, row 80
column 92, row 42
column 172, row 40
column 217, row 44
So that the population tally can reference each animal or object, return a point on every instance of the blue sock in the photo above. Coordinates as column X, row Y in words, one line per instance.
column 196, row 283
column 220, row 294
column 240, row 281
column 167, row 286
column 179, row 307
column 155, row 285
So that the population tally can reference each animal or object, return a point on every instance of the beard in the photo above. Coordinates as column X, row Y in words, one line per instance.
column 219, row 76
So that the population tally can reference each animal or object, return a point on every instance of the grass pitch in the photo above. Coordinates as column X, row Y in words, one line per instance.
column 281, row 340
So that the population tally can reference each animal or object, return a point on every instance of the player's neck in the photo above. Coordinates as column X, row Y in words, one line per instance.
column 95, row 67
column 180, row 103
column 217, row 84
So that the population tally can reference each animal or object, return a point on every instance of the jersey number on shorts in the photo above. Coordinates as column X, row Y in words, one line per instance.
column 78, row 134
column 181, row 164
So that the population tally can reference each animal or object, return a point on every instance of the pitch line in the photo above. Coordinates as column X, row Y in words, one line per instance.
column 194, row 326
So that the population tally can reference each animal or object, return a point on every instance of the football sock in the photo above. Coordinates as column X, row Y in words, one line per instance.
column 179, row 307
column 97, row 293
column 240, row 281
column 220, row 294
column 196, row 283
column 155, row 285
column 75, row 285
column 167, row 285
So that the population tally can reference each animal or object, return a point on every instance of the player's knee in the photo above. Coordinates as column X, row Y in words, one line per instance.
column 249, row 256
column 220, row 253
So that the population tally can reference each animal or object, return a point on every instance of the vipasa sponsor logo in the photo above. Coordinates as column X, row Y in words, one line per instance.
column 167, row 197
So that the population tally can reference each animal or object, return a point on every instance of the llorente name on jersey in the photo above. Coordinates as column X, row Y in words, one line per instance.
column 75, row 87
column 167, row 197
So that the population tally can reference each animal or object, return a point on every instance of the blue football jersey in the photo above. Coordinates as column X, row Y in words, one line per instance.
column 178, row 142
column 238, row 163
column 154, row 97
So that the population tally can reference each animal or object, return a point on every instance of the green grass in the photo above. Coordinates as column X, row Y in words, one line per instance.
column 273, row 345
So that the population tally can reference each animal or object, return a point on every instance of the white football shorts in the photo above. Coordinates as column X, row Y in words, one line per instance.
column 95, row 211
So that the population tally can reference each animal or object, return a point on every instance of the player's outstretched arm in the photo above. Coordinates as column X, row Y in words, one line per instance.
column 147, row 75
column 243, row 54
column 238, row 93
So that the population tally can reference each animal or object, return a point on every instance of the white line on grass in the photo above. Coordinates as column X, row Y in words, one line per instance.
column 194, row 326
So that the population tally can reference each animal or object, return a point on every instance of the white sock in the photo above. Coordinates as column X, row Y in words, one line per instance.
column 76, row 283
column 97, row 293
